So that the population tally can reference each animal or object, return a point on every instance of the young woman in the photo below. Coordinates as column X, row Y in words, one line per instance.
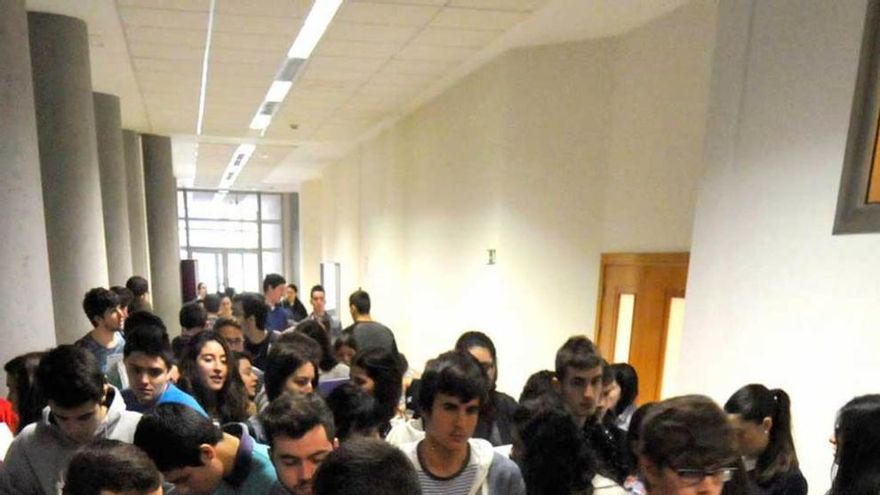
column 496, row 414
column 248, row 377
column 377, row 372
column 762, row 419
column 857, row 436
column 27, row 401
column 622, row 401
column 354, row 412
column 208, row 373
column 330, row 367
column 289, row 367
column 225, row 307
column 345, row 348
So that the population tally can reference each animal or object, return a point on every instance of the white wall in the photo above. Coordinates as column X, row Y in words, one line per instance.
column 516, row 157
column 773, row 296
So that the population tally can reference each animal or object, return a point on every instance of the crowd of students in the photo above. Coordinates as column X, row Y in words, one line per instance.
column 257, row 396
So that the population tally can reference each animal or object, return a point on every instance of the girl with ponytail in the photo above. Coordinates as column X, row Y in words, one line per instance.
column 762, row 418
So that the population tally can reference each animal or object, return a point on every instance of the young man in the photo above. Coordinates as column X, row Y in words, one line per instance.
column 193, row 318
column 352, row 468
column 300, row 431
column 111, row 467
column 197, row 457
column 293, row 304
column 579, row 377
column 688, row 447
column 81, row 408
column 274, row 286
column 317, row 298
column 367, row 333
column 148, row 361
column 140, row 288
column 231, row 331
column 104, row 341
column 257, row 338
column 125, row 298
column 449, row 460
column 211, row 304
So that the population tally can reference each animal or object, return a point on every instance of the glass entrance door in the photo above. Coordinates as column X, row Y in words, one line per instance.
column 226, row 268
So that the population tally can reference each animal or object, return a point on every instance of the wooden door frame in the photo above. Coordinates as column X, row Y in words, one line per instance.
column 634, row 259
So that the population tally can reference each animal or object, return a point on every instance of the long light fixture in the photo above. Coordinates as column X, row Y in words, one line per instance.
column 204, row 86
column 312, row 31
column 313, row 28
column 239, row 159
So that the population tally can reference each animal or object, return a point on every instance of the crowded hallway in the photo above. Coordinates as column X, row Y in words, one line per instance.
column 449, row 270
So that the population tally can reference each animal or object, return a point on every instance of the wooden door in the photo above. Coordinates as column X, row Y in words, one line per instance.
column 650, row 281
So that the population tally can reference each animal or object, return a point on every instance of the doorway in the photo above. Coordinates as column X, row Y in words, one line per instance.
column 641, row 303
column 222, row 268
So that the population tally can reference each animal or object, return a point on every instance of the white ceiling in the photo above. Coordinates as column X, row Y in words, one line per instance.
column 379, row 60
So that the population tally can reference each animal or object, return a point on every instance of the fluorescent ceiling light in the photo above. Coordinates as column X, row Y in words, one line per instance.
column 313, row 28
column 278, row 90
column 261, row 121
column 204, row 85
column 239, row 159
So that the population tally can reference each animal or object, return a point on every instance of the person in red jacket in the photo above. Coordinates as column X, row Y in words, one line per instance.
column 8, row 416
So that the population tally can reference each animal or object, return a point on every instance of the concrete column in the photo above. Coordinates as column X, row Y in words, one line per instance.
column 161, row 196
column 290, row 232
column 24, row 256
column 137, row 208
column 69, row 165
column 111, row 161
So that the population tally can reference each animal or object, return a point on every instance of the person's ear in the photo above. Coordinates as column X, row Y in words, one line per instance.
column 206, row 453
column 649, row 470
column 335, row 443
column 767, row 424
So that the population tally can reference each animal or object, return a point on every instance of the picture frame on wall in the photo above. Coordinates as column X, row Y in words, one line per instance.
column 858, row 201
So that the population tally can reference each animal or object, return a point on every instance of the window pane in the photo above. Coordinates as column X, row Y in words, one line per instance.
column 235, row 267
column 244, row 272
column 181, row 211
column 271, row 204
column 674, row 332
column 207, row 269
column 271, row 236
column 625, row 309
column 272, row 262
column 181, row 234
column 252, row 279
column 207, row 233
column 209, row 204
column 183, row 254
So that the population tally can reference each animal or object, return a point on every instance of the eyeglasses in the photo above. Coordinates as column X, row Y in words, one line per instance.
column 693, row 476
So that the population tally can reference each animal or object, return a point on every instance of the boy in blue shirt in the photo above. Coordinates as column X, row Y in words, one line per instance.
column 198, row 457
column 148, row 362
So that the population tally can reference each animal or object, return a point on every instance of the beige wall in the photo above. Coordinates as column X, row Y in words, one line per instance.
column 773, row 296
column 517, row 157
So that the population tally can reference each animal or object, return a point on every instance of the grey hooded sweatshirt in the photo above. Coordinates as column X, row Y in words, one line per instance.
column 496, row 474
column 38, row 456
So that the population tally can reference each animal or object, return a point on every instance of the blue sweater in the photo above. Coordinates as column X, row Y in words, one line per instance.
column 172, row 395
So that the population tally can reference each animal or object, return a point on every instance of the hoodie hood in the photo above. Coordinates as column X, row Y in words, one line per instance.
column 115, row 412
column 483, row 452
column 40, row 453
column 481, row 455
